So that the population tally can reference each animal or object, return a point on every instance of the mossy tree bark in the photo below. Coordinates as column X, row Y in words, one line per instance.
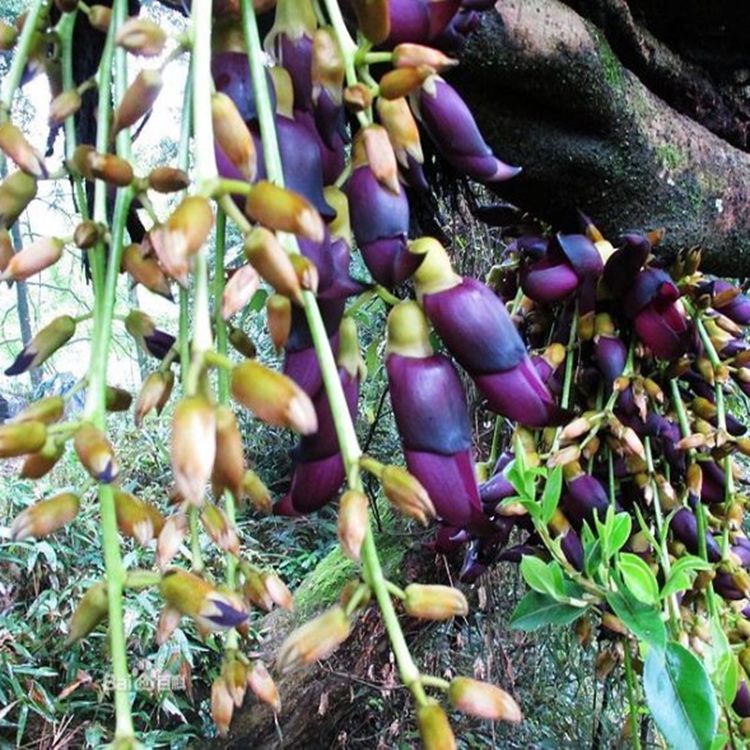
column 593, row 134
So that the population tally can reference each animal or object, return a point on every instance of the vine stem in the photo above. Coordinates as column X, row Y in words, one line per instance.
column 345, row 432
column 222, row 379
column 12, row 79
column 700, row 510
column 106, row 293
column 207, row 174
column 635, row 739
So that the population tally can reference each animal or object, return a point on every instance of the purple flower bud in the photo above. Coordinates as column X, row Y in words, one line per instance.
column 495, row 490
column 741, row 703
column 714, row 483
column 623, row 265
column 725, row 586
column 737, row 308
column 314, row 484
column 300, row 359
column 332, row 260
column 324, row 443
column 742, row 552
column 684, row 525
column 329, row 117
column 450, row 124
column 409, row 22
column 159, row 343
column 547, row 282
column 333, row 154
column 652, row 304
column 572, row 548
column 584, row 499
column 300, row 157
column 611, row 355
column 515, row 553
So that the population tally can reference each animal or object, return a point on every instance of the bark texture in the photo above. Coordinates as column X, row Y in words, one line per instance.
column 550, row 93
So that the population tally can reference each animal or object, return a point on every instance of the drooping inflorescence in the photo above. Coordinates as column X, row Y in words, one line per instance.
column 610, row 367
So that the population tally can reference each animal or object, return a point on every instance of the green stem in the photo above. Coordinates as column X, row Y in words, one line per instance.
column 672, row 607
column 183, row 154
column 700, row 510
column 635, row 737
column 345, row 432
column 106, row 293
column 12, row 79
column 223, row 388
column 206, row 173
column 195, row 540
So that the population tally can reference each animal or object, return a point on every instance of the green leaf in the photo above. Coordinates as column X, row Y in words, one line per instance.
column 721, row 662
column 536, row 610
column 541, row 577
column 638, row 578
column 682, row 574
column 642, row 620
column 592, row 557
column 680, row 697
column 620, row 533
column 551, row 494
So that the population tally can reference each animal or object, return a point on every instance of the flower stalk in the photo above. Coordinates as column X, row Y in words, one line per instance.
column 347, row 438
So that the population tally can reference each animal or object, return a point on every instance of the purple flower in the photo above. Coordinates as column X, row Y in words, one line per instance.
column 432, row 418
column 652, row 303
column 568, row 261
column 684, row 526
column 477, row 330
column 519, row 394
column 409, row 22
column 623, row 265
column 584, row 498
column 728, row 300
column 314, row 484
column 295, row 55
column 380, row 223
column 231, row 74
column 450, row 124
column 333, row 154
column 451, row 484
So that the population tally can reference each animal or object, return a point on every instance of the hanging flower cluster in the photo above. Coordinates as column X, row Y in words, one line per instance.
column 613, row 367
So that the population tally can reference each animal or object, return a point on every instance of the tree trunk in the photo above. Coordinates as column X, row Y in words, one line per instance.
column 592, row 135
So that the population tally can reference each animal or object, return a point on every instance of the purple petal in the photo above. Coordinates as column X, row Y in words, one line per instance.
column 580, row 251
column 623, row 265
column 428, row 404
column 389, row 260
column 650, row 285
column 547, row 282
column 520, row 395
column 228, row 616
column 664, row 332
column 741, row 703
column 295, row 55
column 231, row 74
column 376, row 213
column 451, row 125
column 303, row 170
column 584, row 499
column 684, row 526
column 473, row 323
column 316, row 483
column 409, row 22
column 611, row 355
column 24, row 361
column 324, row 443
column 451, row 484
